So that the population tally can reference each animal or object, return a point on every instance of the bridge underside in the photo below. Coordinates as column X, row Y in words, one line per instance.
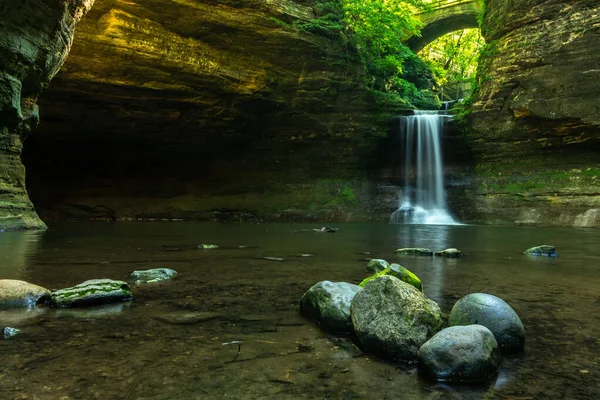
column 441, row 27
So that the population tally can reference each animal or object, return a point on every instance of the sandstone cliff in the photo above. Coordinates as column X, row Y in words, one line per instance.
column 536, row 121
column 35, row 38
column 201, row 109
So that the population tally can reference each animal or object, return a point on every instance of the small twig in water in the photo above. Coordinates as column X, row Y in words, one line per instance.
column 239, row 343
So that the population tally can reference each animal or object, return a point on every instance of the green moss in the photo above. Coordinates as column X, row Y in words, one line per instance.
column 399, row 272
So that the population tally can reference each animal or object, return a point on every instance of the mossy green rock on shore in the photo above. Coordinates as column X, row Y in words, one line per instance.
column 397, row 271
column 92, row 292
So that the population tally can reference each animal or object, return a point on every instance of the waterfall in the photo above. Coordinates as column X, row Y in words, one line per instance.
column 423, row 198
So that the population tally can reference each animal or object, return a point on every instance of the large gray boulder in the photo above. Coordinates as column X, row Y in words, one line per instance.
column 461, row 354
column 393, row 319
column 15, row 293
column 92, row 292
column 151, row 276
column 493, row 313
column 328, row 304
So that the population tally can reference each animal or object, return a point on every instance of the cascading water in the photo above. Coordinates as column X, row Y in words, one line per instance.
column 423, row 199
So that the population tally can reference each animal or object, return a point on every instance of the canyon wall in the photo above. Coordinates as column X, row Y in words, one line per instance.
column 35, row 38
column 536, row 119
column 211, row 110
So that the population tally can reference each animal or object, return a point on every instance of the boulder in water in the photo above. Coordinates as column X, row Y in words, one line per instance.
column 151, row 276
column 414, row 251
column 461, row 354
column 397, row 271
column 328, row 304
column 450, row 253
column 493, row 313
column 208, row 246
column 393, row 319
column 377, row 265
column 15, row 293
column 92, row 292
column 543, row 250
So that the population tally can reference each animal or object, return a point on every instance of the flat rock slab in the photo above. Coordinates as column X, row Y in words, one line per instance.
column 15, row 293
column 542, row 251
column 151, row 276
column 92, row 292
column 415, row 251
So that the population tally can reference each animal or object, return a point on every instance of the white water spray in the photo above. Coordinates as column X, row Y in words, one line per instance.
column 423, row 202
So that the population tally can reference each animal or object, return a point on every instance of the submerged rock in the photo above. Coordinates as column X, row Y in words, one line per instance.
column 326, row 229
column 397, row 271
column 208, row 246
column 377, row 265
column 461, row 354
column 394, row 319
column 10, row 332
column 151, row 275
column 450, row 253
column 493, row 313
column 328, row 304
column 414, row 251
column 92, row 292
column 15, row 293
column 543, row 250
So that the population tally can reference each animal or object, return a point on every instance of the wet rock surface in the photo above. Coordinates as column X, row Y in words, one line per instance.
column 16, row 293
column 151, row 276
column 461, row 354
column 450, row 253
column 91, row 292
column 414, row 251
column 328, row 304
column 542, row 251
column 377, row 265
column 393, row 319
column 493, row 313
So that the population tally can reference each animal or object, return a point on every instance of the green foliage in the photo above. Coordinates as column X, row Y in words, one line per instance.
column 376, row 29
column 453, row 59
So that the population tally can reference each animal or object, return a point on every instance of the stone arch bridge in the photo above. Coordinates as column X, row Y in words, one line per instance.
column 445, row 18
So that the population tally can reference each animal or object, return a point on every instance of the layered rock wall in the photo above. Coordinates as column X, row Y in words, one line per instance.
column 197, row 108
column 536, row 120
column 35, row 38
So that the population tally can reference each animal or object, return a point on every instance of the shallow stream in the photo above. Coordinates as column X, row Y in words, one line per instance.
column 167, row 343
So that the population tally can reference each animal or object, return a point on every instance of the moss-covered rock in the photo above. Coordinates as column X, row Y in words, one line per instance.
column 151, row 275
column 91, row 292
column 328, row 304
column 393, row 319
column 543, row 250
column 397, row 271
column 461, row 354
column 15, row 293
column 377, row 265
column 414, row 251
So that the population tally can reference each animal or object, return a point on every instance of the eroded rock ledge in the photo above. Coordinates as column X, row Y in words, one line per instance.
column 200, row 109
column 536, row 122
column 35, row 38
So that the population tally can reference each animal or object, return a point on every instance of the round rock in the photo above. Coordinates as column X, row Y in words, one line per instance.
column 377, row 265
column 15, row 293
column 461, row 354
column 493, row 313
column 328, row 304
column 393, row 319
